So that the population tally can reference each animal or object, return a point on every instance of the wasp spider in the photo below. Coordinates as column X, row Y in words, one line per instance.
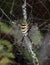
column 24, row 28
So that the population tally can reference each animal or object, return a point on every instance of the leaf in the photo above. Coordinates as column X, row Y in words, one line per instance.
column 5, row 61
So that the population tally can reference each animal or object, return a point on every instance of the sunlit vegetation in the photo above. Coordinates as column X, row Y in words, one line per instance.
column 17, row 46
column 5, row 28
column 6, row 52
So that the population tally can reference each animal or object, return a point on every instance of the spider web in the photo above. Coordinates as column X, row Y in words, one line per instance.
column 37, row 11
column 5, row 4
column 41, row 13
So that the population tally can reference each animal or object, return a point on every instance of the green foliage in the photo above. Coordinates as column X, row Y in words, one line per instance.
column 5, row 61
column 5, row 28
column 27, row 55
column 6, row 43
column 37, row 37
column 6, row 52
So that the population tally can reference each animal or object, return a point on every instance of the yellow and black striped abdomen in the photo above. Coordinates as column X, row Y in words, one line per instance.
column 24, row 28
